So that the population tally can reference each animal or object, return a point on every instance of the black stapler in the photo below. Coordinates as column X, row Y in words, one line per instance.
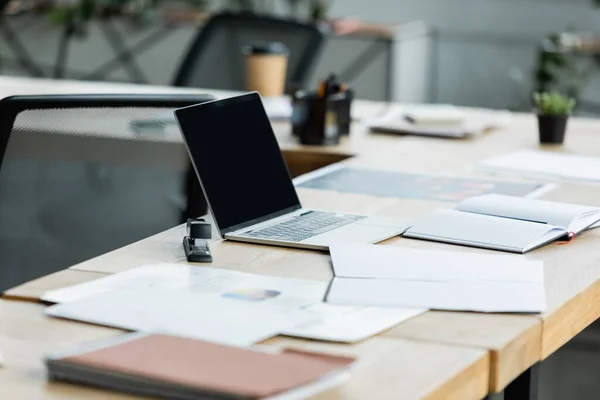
column 195, row 243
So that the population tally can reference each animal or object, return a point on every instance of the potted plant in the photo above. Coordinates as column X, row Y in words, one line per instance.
column 553, row 113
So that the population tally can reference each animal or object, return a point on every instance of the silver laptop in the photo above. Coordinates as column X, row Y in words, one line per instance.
column 248, row 187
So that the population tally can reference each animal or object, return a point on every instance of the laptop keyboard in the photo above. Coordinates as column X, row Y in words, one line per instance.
column 304, row 226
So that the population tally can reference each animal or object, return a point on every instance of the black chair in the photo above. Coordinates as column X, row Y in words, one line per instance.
column 81, row 175
column 215, row 60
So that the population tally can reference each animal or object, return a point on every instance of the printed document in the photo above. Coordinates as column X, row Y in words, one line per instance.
column 316, row 320
column 375, row 275
column 181, row 313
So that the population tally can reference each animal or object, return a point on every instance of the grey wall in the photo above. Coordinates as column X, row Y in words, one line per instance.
column 486, row 48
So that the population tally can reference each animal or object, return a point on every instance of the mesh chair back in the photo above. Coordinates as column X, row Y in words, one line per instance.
column 83, row 175
column 215, row 59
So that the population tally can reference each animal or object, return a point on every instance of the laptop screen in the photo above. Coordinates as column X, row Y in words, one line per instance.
column 237, row 159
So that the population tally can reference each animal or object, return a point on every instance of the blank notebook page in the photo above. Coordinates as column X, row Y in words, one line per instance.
column 572, row 217
column 483, row 231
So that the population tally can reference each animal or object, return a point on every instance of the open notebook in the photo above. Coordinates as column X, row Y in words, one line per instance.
column 505, row 223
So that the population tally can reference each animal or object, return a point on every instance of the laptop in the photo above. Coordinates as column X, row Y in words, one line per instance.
column 248, row 187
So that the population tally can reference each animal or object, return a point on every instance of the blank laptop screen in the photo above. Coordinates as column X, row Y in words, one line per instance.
column 237, row 159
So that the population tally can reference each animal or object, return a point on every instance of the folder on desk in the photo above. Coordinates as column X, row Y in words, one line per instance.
column 179, row 368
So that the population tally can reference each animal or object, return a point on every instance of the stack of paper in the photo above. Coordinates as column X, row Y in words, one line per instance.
column 392, row 276
column 545, row 165
column 217, row 305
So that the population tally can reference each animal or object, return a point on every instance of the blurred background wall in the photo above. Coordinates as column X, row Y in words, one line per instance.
column 476, row 52
column 486, row 49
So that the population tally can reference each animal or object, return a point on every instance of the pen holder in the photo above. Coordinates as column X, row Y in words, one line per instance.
column 343, row 106
column 318, row 121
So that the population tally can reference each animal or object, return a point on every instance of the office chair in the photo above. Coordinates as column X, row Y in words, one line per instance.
column 214, row 59
column 81, row 175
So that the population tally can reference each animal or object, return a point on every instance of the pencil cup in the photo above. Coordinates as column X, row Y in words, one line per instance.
column 318, row 121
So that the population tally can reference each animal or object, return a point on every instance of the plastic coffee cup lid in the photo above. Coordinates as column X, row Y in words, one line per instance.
column 267, row 48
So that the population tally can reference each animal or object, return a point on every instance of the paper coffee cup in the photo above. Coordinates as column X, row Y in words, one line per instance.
column 266, row 67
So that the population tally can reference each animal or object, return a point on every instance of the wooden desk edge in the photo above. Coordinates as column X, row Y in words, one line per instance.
column 515, row 358
column 563, row 324
column 473, row 382
column 32, row 291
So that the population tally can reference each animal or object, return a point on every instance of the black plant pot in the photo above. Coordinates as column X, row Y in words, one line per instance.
column 552, row 128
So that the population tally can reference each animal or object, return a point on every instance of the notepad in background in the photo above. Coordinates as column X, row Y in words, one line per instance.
column 435, row 116
column 175, row 367
column 438, row 120
column 390, row 276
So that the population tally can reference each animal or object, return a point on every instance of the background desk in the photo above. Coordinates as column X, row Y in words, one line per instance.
column 514, row 342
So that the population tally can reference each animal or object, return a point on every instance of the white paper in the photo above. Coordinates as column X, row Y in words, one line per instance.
column 572, row 217
column 546, row 164
column 181, row 313
column 161, row 276
column 326, row 322
column 374, row 275
column 344, row 323
column 458, row 296
column 463, row 228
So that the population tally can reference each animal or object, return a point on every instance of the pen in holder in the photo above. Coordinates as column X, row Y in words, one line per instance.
column 317, row 120
column 195, row 243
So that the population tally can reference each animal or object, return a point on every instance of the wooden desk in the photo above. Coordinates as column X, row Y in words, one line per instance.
column 387, row 369
column 514, row 342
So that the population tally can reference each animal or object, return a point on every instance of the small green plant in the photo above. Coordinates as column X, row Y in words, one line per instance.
column 554, row 103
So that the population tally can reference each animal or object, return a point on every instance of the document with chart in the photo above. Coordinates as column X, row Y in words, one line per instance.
column 175, row 287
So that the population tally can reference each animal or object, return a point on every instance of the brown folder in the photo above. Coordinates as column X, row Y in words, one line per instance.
column 203, row 366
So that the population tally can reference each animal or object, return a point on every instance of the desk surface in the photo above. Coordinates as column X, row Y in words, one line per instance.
column 513, row 342
column 387, row 366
